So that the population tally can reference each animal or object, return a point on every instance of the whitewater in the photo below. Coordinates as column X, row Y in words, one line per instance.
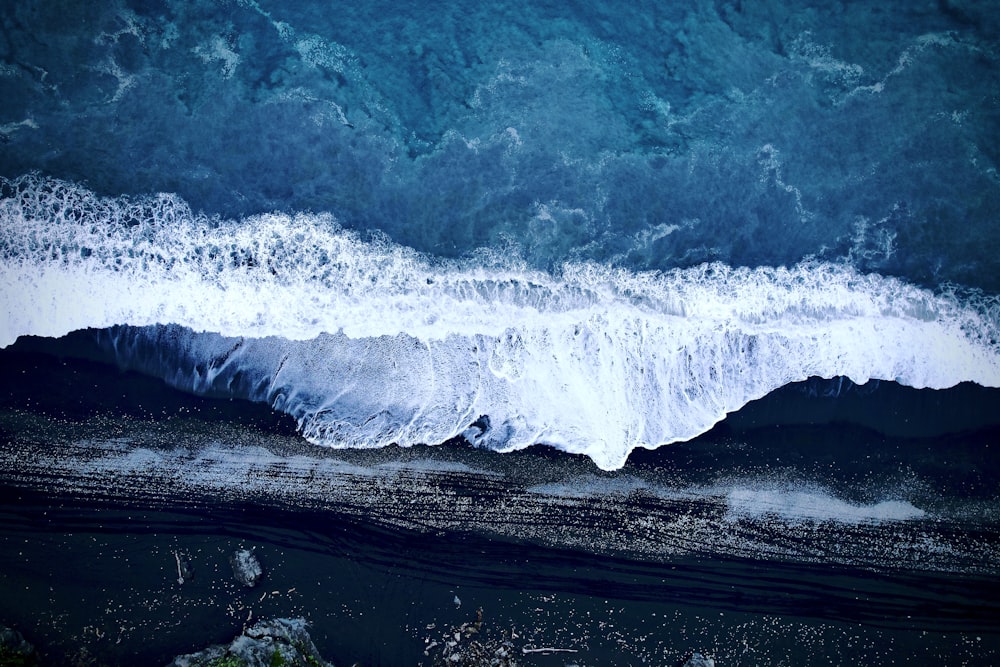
column 645, row 328
column 367, row 343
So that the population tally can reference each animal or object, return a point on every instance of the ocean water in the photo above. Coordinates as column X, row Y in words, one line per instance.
column 666, row 297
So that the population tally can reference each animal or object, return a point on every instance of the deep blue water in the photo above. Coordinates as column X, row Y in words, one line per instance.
column 758, row 134
column 593, row 226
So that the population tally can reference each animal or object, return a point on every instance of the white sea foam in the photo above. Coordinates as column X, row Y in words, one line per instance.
column 219, row 50
column 790, row 503
column 812, row 505
column 368, row 343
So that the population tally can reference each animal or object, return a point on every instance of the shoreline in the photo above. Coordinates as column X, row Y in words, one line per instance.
column 739, row 543
column 36, row 369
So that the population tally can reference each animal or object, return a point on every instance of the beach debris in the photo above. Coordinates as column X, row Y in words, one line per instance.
column 246, row 567
column 546, row 650
column 467, row 645
column 184, row 569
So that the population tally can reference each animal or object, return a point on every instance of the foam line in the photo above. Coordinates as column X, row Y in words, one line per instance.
column 368, row 343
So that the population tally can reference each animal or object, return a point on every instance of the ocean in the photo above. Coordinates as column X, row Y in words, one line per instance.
column 646, row 329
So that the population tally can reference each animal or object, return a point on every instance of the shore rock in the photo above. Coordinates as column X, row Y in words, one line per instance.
column 282, row 641
column 698, row 660
column 246, row 567
column 14, row 649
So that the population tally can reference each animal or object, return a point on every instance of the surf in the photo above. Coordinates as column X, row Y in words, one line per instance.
column 367, row 343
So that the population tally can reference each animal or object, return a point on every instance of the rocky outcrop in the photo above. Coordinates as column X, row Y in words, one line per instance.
column 698, row 660
column 282, row 641
column 246, row 567
column 14, row 649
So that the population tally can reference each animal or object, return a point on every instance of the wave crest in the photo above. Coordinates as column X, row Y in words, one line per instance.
column 368, row 343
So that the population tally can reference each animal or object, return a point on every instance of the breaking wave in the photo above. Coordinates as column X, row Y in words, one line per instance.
column 367, row 343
